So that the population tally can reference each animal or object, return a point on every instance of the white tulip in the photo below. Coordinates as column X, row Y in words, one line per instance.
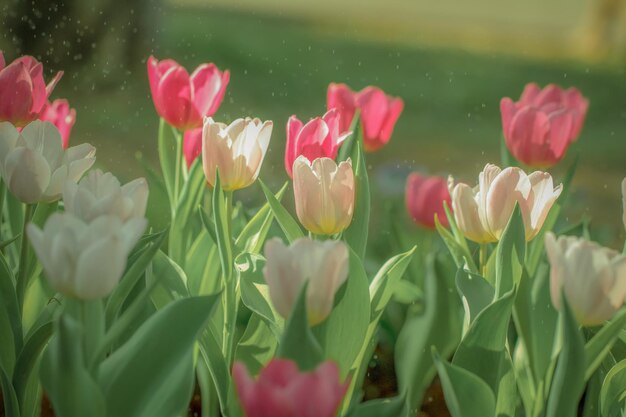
column 592, row 277
column 101, row 193
column 34, row 165
column 85, row 260
column 323, row 264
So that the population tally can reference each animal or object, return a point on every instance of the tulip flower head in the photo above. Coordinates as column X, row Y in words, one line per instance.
column 34, row 165
column 23, row 91
column 324, row 194
column 183, row 100
column 62, row 116
column 483, row 213
column 84, row 260
column 283, row 391
column 425, row 197
column 539, row 127
column 323, row 265
column 379, row 112
column 592, row 278
column 99, row 194
column 192, row 145
column 237, row 150
column 320, row 137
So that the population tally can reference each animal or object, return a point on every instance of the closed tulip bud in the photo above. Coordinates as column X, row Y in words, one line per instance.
column 320, row 137
column 183, row 100
column 539, row 127
column 425, row 197
column 62, row 116
column 379, row 112
column 323, row 265
column 283, row 391
column 34, row 165
column 324, row 194
column 592, row 278
column 84, row 260
column 192, row 145
column 99, row 194
column 237, row 150
column 483, row 213
column 23, row 91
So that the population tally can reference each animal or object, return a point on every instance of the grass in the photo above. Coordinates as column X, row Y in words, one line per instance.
column 280, row 67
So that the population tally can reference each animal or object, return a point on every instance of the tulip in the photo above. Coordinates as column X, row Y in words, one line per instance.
column 62, row 116
column 99, row 194
column 23, row 91
column 592, row 278
column 320, row 137
column 183, row 100
column 34, row 165
column 321, row 264
column 84, row 260
column 379, row 112
column 425, row 197
column 539, row 128
column 483, row 213
column 283, row 391
column 237, row 150
column 192, row 145
column 324, row 194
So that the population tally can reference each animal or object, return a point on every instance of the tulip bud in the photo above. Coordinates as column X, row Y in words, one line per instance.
column 23, row 92
column 320, row 137
column 192, row 145
column 321, row 264
column 483, row 213
column 593, row 278
column 324, row 194
column 283, row 391
column 539, row 128
column 425, row 197
column 34, row 165
column 237, row 150
column 84, row 260
column 62, row 116
column 183, row 100
column 99, row 194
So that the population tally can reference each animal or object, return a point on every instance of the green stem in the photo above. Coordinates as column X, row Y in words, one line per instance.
column 179, row 157
column 483, row 258
column 231, row 292
column 22, row 277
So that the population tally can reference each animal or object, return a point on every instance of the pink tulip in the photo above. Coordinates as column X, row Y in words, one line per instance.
column 320, row 137
column 23, row 92
column 379, row 112
column 184, row 100
column 62, row 116
column 283, row 391
column 539, row 127
column 425, row 197
column 192, row 145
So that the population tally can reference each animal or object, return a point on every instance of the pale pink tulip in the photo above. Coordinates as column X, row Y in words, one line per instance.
column 425, row 197
column 283, row 391
column 192, row 145
column 62, row 116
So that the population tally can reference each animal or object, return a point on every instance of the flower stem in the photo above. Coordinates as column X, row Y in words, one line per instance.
column 179, row 157
column 483, row 259
column 231, row 290
column 22, row 277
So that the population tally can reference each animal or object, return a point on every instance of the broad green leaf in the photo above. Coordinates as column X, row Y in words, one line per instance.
column 203, row 267
column 384, row 283
column 600, row 344
column 220, row 373
column 613, row 391
column 510, row 254
column 167, row 156
column 222, row 228
column 172, row 280
column 257, row 345
column 507, row 396
column 159, row 382
column 285, row 221
column 407, row 292
column 7, row 347
column 7, row 242
column 356, row 234
column 11, row 406
column 9, row 306
column 568, row 381
column 453, row 246
column 475, row 292
column 347, row 148
column 387, row 407
column 466, row 394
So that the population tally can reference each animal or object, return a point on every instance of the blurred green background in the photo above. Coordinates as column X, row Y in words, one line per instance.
column 451, row 61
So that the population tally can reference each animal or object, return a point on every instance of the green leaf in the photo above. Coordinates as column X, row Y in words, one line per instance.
column 9, row 305
column 599, row 346
column 407, row 292
column 347, row 148
column 136, row 382
column 171, row 278
column 285, row 221
column 203, row 267
column 505, row 156
column 613, row 391
column 167, row 156
column 257, row 345
column 475, row 292
column 568, row 381
column 356, row 234
column 220, row 373
column 11, row 406
column 7, row 242
column 387, row 407
column 510, row 254
column 298, row 342
column 466, row 394
column 222, row 228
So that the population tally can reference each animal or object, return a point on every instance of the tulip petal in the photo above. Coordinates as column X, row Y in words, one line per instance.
column 282, row 276
column 100, row 268
column 27, row 174
column 175, row 95
column 342, row 98
column 509, row 187
column 16, row 94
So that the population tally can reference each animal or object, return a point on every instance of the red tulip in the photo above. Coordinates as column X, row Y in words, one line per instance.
column 425, row 197
column 62, row 116
column 379, row 112
column 23, row 92
column 320, row 137
column 539, row 127
column 192, row 145
column 184, row 100
column 283, row 391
